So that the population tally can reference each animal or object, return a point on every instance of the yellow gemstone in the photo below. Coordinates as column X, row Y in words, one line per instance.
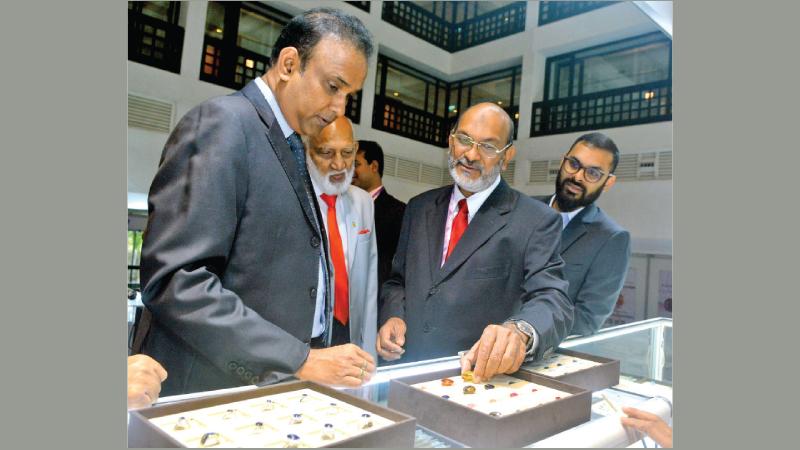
column 467, row 376
column 469, row 389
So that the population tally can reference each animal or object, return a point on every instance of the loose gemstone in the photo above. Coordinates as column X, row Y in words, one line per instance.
column 495, row 414
column 488, row 386
column 445, row 397
column 447, row 382
column 467, row 376
column 514, row 394
column 469, row 389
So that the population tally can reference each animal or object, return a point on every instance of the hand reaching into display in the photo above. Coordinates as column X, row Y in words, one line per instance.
column 501, row 349
column 391, row 338
column 145, row 376
column 343, row 365
column 648, row 423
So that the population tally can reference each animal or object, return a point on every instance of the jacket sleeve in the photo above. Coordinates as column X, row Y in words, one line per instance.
column 602, row 285
column 195, row 202
column 545, row 304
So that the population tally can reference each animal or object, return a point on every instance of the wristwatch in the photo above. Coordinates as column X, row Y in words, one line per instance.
column 526, row 329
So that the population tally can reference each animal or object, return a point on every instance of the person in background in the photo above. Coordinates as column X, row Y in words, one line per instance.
column 347, row 214
column 595, row 249
column 650, row 424
column 388, row 210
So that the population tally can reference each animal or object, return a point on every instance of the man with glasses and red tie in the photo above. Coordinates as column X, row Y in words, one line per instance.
column 477, row 266
column 595, row 249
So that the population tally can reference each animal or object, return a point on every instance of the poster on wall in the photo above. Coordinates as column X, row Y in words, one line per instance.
column 665, row 293
column 625, row 309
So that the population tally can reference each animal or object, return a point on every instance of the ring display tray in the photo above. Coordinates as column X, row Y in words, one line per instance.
column 515, row 411
column 580, row 369
column 292, row 414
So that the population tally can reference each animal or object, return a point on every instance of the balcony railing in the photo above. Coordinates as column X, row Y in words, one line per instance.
column 552, row 11
column 398, row 118
column 453, row 37
column 496, row 24
column 643, row 103
column 154, row 42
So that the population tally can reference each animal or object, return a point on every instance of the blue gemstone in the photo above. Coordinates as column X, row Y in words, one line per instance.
column 445, row 396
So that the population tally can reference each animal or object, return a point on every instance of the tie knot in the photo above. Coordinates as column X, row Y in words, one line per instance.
column 462, row 206
column 329, row 200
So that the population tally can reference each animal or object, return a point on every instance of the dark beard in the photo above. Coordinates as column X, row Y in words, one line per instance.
column 568, row 203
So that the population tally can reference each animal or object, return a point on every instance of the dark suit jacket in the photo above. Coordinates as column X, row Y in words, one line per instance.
column 231, row 254
column 388, row 218
column 596, row 252
column 506, row 265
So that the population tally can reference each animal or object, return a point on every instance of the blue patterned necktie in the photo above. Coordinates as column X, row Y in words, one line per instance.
column 299, row 152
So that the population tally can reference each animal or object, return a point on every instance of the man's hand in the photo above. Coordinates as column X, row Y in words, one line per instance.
column 501, row 349
column 144, row 381
column 391, row 338
column 651, row 424
column 343, row 365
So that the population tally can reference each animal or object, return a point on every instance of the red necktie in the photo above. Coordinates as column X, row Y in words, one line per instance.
column 341, row 302
column 459, row 225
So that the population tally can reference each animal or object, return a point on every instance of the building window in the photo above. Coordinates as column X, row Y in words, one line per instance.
column 550, row 12
column 360, row 5
column 238, row 43
column 622, row 83
column 154, row 36
column 456, row 25
column 411, row 103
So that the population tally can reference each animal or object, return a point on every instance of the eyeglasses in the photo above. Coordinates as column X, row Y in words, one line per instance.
column 464, row 143
column 592, row 174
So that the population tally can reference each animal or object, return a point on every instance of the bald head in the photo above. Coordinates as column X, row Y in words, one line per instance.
column 486, row 111
column 339, row 130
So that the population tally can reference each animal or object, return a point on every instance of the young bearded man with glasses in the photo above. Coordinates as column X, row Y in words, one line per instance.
column 477, row 265
column 595, row 249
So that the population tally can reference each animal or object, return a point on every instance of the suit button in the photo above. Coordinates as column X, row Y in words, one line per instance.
column 240, row 370
column 248, row 375
column 427, row 328
column 314, row 241
column 232, row 365
column 312, row 293
column 433, row 291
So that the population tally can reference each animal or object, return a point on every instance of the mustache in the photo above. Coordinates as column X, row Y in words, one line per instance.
column 575, row 183
column 465, row 162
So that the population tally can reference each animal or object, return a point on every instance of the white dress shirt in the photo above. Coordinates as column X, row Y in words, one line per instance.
column 474, row 203
column 566, row 217
column 319, row 310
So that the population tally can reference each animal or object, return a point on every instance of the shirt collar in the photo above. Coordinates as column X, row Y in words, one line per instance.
column 273, row 104
column 474, row 201
column 376, row 192
column 566, row 217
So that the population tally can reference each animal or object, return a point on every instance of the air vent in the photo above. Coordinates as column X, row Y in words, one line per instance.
column 149, row 114
column 389, row 165
column 637, row 166
column 430, row 175
column 508, row 174
column 665, row 165
column 408, row 170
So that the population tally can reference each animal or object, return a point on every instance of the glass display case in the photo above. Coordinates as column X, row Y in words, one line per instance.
column 644, row 350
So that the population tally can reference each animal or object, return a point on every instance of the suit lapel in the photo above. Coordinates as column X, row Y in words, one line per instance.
column 348, row 209
column 280, row 147
column 576, row 228
column 490, row 218
column 435, row 218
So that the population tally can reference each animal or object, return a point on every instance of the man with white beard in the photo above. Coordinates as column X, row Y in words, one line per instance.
column 347, row 214
column 477, row 266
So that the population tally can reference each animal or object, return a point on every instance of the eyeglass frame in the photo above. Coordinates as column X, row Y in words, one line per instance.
column 584, row 168
column 494, row 154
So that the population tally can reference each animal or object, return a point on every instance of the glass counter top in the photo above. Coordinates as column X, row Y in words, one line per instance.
column 644, row 350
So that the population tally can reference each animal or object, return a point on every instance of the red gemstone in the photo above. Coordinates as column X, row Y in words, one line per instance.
column 558, row 398
column 514, row 394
